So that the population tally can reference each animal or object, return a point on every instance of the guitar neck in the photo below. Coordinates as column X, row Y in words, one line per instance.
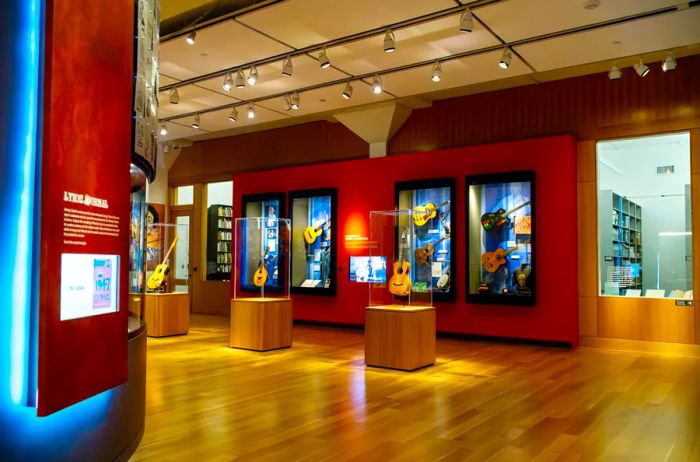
column 522, row 244
column 515, row 209
column 167, row 255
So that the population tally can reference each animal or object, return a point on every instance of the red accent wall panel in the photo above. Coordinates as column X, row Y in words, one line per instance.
column 86, row 150
column 368, row 184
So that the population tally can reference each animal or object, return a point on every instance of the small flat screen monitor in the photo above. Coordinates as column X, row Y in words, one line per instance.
column 368, row 269
column 89, row 285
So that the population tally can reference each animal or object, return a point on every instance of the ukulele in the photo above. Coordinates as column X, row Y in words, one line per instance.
column 493, row 220
column 160, row 273
column 424, row 213
column 400, row 282
column 311, row 233
column 492, row 261
column 260, row 276
column 422, row 254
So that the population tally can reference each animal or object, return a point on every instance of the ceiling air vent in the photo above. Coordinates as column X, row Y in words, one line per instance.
column 664, row 169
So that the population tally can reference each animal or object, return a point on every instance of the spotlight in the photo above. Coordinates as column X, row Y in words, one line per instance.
column 505, row 58
column 669, row 63
column 240, row 79
column 195, row 122
column 163, row 130
column 389, row 41
column 251, row 111
column 377, row 84
column 437, row 72
column 295, row 101
column 287, row 102
column 253, row 76
column 228, row 82
column 191, row 37
column 287, row 68
column 323, row 59
column 614, row 73
column 641, row 69
column 466, row 22
column 233, row 116
column 174, row 96
column 347, row 92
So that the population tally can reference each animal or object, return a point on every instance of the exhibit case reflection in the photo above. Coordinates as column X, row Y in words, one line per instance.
column 137, row 247
column 501, row 238
column 313, row 260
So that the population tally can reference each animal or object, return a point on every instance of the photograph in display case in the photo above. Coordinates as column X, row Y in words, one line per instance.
column 501, row 238
column 431, row 202
column 313, row 214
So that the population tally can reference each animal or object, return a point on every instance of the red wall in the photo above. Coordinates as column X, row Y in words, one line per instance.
column 368, row 184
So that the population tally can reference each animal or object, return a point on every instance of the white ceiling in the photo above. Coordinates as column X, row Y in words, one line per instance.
column 287, row 26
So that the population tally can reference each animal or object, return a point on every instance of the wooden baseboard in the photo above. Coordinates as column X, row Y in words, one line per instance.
column 639, row 346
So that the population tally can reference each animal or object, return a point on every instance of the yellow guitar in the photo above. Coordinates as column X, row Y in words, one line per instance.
column 311, row 233
column 260, row 276
column 160, row 274
column 400, row 282
column 424, row 213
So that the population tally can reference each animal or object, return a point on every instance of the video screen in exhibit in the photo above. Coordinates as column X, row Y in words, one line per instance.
column 89, row 285
column 367, row 269
column 500, row 240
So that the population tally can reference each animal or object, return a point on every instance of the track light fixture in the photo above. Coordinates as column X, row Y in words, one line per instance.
column 240, row 79
column 641, row 69
column 174, row 97
column 287, row 68
column 191, row 37
column 505, row 58
column 466, row 21
column 389, row 41
column 295, row 101
column 251, row 111
column 377, row 84
column 252, row 76
column 228, row 82
column 347, row 91
column 323, row 59
column 437, row 72
column 163, row 130
column 233, row 116
column 669, row 63
column 195, row 122
column 614, row 73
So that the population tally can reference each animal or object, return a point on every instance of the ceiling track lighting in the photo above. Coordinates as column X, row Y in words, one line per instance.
column 323, row 59
column 389, row 42
column 377, row 84
column 191, row 37
column 174, row 97
column 195, row 122
column 437, row 72
column 228, row 82
column 163, row 130
column 295, row 101
column 466, row 21
column 287, row 67
column 641, row 69
column 614, row 73
column 669, row 63
column 347, row 91
column 233, row 116
column 252, row 75
column 240, row 79
column 506, row 58
column 251, row 111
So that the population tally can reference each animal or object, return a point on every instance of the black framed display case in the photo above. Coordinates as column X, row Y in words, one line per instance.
column 433, row 224
column 314, row 251
column 263, row 205
column 501, row 238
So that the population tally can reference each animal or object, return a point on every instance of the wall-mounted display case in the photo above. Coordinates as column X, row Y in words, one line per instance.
column 313, row 260
column 219, row 242
column 432, row 221
column 261, row 257
column 501, row 238
column 167, row 258
column 268, row 205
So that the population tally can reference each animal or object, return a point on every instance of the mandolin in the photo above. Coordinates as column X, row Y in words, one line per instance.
column 311, row 233
column 400, row 282
column 423, row 254
column 493, row 220
column 260, row 276
column 160, row 273
column 492, row 261
column 424, row 213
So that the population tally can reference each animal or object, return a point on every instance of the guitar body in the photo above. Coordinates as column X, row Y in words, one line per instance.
column 400, row 282
column 260, row 276
column 493, row 220
column 424, row 213
column 492, row 261
column 422, row 254
column 311, row 233
column 157, row 278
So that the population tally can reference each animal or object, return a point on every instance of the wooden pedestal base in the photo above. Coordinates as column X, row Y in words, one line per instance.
column 167, row 314
column 398, row 337
column 261, row 323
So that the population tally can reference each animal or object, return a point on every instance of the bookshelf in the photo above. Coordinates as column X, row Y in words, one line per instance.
column 219, row 242
column 620, row 239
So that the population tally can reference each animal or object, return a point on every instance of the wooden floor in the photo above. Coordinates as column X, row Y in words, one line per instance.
column 317, row 401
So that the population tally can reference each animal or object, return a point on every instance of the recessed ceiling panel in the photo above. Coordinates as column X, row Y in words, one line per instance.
column 192, row 99
column 427, row 41
column 517, row 20
column 455, row 73
column 634, row 38
column 300, row 23
column 218, row 47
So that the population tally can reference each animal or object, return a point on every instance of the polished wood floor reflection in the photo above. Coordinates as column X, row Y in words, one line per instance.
column 481, row 401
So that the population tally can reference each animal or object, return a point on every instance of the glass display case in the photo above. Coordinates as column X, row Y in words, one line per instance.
column 393, row 237
column 313, row 259
column 261, row 257
column 167, row 258
column 270, row 205
column 501, row 238
column 433, row 222
column 137, row 247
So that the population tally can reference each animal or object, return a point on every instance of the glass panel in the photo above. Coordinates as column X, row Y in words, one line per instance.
column 644, row 217
column 184, row 195
column 220, row 193
column 182, row 249
column 137, row 246
column 219, row 230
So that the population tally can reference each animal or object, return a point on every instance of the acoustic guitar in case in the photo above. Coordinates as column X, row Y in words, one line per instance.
column 311, row 233
column 493, row 220
column 160, row 273
column 492, row 261
column 424, row 213
column 400, row 282
column 423, row 254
